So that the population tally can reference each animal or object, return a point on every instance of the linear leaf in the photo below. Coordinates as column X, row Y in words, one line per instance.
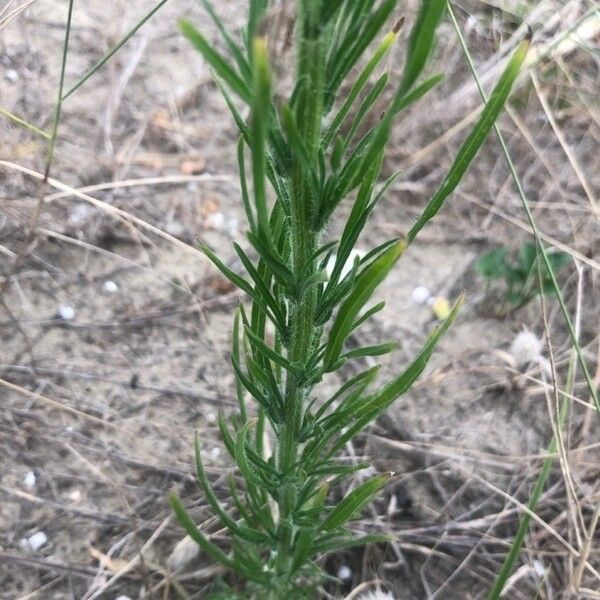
column 321, row 547
column 476, row 138
column 190, row 527
column 261, row 105
column 364, row 287
column 223, row 69
column 248, row 534
column 354, row 502
column 421, row 41
column 382, row 399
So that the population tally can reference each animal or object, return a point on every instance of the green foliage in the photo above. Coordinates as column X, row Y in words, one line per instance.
column 308, row 154
column 520, row 274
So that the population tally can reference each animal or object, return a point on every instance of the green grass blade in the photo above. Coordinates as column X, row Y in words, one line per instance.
column 475, row 140
column 244, row 184
column 115, row 49
column 22, row 123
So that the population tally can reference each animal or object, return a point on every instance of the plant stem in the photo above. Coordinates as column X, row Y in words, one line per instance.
column 304, row 333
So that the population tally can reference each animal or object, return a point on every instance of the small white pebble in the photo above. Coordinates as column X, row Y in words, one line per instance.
column 184, row 553
column 175, row 228
column 344, row 573
column 110, row 287
column 216, row 220
column 34, row 542
column 211, row 417
column 29, row 479
column 538, row 567
column 420, row 295
column 215, row 452
column 377, row 595
column 66, row 312
column 75, row 496
column 233, row 227
column 526, row 348
column 11, row 75
column 80, row 214
column 122, row 598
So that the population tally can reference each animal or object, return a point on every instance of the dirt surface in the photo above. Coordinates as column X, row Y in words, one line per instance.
column 115, row 331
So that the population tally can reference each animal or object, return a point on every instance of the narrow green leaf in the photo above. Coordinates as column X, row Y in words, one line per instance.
column 236, row 52
column 255, row 13
column 269, row 353
column 188, row 524
column 364, row 287
column 115, row 48
column 382, row 399
column 358, row 382
column 367, row 315
column 421, row 42
column 222, row 68
column 251, row 535
column 15, row 119
column 244, row 185
column 402, row 102
column 261, row 106
column 322, row 547
column 355, row 46
column 359, row 84
column 354, row 502
column 235, row 353
column 241, row 456
column 377, row 350
column 261, row 287
column 476, row 138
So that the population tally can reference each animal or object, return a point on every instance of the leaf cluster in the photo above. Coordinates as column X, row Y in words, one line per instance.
column 521, row 273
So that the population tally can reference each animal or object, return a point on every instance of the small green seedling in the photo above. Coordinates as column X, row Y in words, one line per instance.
column 520, row 273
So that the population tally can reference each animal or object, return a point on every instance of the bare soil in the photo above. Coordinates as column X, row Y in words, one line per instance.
column 114, row 339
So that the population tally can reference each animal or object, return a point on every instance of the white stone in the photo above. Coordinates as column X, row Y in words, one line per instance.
column 184, row 553
column 344, row 573
column 122, row 598
column 215, row 452
column 11, row 75
column 34, row 542
column 420, row 295
column 66, row 312
column 216, row 220
column 110, row 287
column 526, row 348
column 29, row 479
column 376, row 595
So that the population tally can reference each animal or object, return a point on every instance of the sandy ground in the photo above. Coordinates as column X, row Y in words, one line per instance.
column 114, row 329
